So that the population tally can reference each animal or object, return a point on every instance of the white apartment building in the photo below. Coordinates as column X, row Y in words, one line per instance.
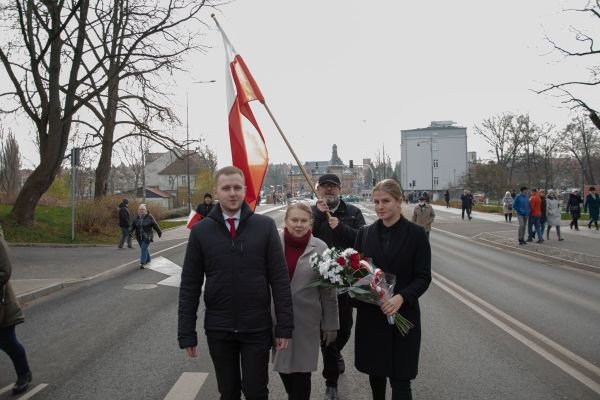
column 433, row 158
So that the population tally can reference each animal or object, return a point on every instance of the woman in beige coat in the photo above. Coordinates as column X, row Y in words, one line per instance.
column 11, row 316
column 315, row 308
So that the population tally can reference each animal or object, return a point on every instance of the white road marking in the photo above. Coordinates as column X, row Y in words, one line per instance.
column 187, row 386
column 167, row 267
column 33, row 391
column 6, row 389
column 462, row 294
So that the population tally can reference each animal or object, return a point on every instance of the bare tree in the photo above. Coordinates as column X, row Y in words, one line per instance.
column 46, row 80
column 571, row 91
column 548, row 145
column 504, row 137
column 583, row 143
column 137, row 44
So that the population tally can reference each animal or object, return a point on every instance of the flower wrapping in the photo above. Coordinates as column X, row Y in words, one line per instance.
column 349, row 272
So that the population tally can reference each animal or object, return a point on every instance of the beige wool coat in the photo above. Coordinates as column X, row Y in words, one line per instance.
column 423, row 216
column 315, row 308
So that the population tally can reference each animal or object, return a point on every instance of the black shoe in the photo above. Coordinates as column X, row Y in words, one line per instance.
column 331, row 393
column 341, row 365
column 541, row 241
column 560, row 239
column 141, row 266
column 22, row 384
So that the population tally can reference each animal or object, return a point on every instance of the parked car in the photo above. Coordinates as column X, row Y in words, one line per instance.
column 479, row 197
column 350, row 198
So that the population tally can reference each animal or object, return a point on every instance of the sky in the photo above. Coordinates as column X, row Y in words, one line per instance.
column 356, row 73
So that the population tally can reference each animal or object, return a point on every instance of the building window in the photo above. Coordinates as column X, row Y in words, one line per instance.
column 435, row 181
column 435, row 146
column 183, row 180
column 435, row 164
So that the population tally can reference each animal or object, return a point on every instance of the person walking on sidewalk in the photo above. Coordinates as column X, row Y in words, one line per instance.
column 574, row 208
column 521, row 207
column 542, row 194
column 447, row 198
column 400, row 247
column 124, row 224
column 143, row 224
column 423, row 215
column 315, row 308
column 240, row 255
column 507, row 205
column 337, row 230
column 592, row 203
column 553, row 214
column 10, row 316
column 535, row 214
column 467, row 203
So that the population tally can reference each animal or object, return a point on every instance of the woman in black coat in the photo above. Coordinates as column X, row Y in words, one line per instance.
column 397, row 246
column 574, row 208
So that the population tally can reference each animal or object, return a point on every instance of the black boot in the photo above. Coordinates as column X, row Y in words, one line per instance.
column 22, row 384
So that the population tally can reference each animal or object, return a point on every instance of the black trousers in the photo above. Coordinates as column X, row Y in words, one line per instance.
column 14, row 349
column 468, row 210
column 400, row 388
column 297, row 385
column 241, row 363
column 332, row 353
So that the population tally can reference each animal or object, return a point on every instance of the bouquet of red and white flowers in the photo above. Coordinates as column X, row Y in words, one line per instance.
column 350, row 273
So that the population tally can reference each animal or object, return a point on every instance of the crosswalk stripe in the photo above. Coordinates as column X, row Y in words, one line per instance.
column 5, row 389
column 33, row 391
column 187, row 386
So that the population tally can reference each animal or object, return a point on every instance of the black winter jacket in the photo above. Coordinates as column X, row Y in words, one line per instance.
column 204, row 209
column 143, row 228
column 241, row 276
column 124, row 217
column 344, row 235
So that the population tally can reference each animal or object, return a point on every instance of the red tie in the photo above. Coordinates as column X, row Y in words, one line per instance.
column 231, row 227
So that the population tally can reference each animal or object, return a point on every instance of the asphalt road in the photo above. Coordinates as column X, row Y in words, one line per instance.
column 496, row 325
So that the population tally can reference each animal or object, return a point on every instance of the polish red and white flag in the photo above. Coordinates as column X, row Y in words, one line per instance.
column 248, row 148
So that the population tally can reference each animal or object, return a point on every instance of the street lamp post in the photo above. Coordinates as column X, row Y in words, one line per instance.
column 187, row 140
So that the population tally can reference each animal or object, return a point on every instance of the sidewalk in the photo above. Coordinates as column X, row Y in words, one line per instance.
column 39, row 270
column 43, row 269
column 579, row 249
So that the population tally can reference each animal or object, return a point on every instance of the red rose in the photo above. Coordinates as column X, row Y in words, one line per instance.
column 355, row 261
column 341, row 261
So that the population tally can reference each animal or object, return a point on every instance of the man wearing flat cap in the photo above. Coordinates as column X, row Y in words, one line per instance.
column 340, row 231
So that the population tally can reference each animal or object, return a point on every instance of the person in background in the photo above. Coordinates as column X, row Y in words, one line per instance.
column 124, row 224
column 12, row 316
column 467, row 203
column 592, row 203
column 542, row 194
column 553, row 214
column 513, row 194
column 447, row 198
column 336, row 223
column 400, row 247
column 535, row 213
column 423, row 215
column 143, row 224
column 206, row 206
column 521, row 207
column 239, row 253
column 507, row 205
column 315, row 308
column 574, row 208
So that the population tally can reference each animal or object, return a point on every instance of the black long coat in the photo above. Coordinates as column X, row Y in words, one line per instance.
column 379, row 348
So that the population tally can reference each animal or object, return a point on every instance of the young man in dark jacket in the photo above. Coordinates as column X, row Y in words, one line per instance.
column 206, row 206
column 124, row 224
column 339, row 230
column 240, row 255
